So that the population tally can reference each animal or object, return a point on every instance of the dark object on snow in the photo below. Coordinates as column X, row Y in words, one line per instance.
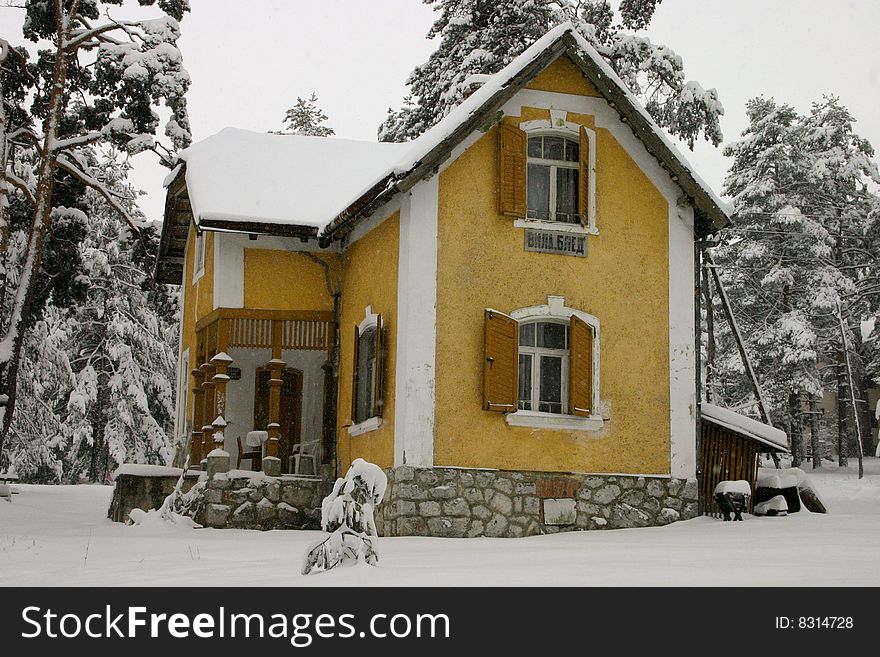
column 734, row 503
column 764, row 493
column 811, row 500
column 776, row 506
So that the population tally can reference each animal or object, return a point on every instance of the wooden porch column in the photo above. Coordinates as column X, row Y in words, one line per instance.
column 198, row 419
column 276, row 367
column 220, row 362
column 210, row 409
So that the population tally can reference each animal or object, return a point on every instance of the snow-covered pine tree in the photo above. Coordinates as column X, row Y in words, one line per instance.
column 96, row 79
column 801, row 241
column 306, row 118
column 840, row 180
column 122, row 345
column 767, row 259
column 483, row 36
column 37, row 446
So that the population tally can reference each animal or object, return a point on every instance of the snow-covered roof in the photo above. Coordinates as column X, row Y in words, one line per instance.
column 323, row 182
column 746, row 426
column 244, row 176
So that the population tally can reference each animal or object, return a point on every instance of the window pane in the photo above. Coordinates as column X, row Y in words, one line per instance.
column 535, row 147
column 554, row 148
column 551, row 335
column 525, row 382
column 551, row 384
column 571, row 151
column 527, row 335
column 366, row 375
column 566, row 195
column 539, row 192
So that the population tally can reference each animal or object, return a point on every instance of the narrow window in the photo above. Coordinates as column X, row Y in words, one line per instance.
column 366, row 374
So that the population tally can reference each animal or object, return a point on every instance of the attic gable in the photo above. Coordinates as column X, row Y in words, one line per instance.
column 564, row 77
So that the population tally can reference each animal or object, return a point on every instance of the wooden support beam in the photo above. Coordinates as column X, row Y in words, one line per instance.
column 210, row 409
column 737, row 336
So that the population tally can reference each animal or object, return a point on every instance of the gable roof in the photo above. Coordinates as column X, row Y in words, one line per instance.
column 322, row 186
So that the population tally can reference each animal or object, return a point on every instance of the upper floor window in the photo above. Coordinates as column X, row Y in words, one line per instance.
column 199, row 264
column 547, row 174
column 552, row 175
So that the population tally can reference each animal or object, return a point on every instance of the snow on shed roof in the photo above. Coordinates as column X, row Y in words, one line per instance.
column 244, row 176
column 323, row 182
column 746, row 426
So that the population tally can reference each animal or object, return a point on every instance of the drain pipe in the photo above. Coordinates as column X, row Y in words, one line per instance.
column 331, row 371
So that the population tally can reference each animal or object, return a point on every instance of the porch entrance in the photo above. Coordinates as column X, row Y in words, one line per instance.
column 290, row 409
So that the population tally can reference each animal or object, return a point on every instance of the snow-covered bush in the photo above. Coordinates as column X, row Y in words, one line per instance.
column 347, row 513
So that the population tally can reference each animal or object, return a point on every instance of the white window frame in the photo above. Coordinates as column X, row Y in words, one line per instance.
column 199, row 253
column 370, row 320
column 555, row 309
column 536, row 353
column 558, row 125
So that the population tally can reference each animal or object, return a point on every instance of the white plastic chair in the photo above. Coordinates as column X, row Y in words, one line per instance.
column 307, row 451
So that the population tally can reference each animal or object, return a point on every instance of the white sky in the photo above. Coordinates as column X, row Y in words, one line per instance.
column 250, row 60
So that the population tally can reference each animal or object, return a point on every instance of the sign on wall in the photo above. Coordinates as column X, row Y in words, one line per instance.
column 234, row 373
column 552, row 241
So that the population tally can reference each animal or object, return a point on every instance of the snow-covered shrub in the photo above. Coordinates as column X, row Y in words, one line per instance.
column 347, row 513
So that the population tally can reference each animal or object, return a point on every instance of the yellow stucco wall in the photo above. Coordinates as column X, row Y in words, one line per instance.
column 623, row 282
column 562, row 76
column 198, row 299
column 369, row 278
column 286, row 280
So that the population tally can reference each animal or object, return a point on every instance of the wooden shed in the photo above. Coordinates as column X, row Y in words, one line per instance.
column 729, row 447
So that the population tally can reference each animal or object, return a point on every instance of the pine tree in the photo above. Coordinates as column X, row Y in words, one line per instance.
column 123, row 337
column 483, row 36
column 306, row 118
column 96, row 385
column 800, row 245
column 96, row 83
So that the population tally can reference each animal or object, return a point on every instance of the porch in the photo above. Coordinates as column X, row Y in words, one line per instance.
column 263, row 370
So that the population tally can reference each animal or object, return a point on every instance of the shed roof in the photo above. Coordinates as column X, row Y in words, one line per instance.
column 772, row 437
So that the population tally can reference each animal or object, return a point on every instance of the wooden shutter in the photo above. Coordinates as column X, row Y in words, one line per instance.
column 354, row 375
column 512, row 170
column 500, row 365
column 580, row 371
column 584, row 179
column 380, row 361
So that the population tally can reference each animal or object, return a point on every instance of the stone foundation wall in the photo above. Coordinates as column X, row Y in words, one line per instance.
column 457, row 502
column 239, row 499
column 252, row 500
column 144, row 491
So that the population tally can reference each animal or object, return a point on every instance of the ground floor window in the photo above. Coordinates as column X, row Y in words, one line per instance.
column 543, row 367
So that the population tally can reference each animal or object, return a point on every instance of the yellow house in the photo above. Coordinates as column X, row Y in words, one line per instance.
column 500, row 313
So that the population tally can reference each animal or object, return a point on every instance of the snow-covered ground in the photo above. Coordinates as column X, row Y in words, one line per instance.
column 59, row 535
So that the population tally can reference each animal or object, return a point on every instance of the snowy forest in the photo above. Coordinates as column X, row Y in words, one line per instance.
column 88, row 342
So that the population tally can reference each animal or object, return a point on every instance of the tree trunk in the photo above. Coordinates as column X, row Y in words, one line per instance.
column 842, row 403
column 814, row 433
column 795, row 433
column 13, row 336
